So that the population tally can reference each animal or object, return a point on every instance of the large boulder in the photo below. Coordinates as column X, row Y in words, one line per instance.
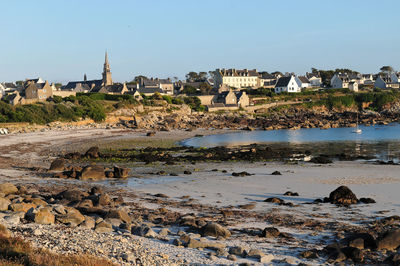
column 73, row 217
column 21, row 207
column 72, row 195
column 215, row 230
column 342, row 196
column 119, row 214
column 57, row 165
column 93, row 152
column 8, row 188
column 389, row 241
column 121, row 172
column 43, row 216
column 4, row 204
column 93, row 172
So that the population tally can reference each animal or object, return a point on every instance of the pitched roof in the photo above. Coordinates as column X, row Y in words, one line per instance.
column 239, row 72
column 304, row 79
column 266, row 75
column 283, row 81
column 74, row 84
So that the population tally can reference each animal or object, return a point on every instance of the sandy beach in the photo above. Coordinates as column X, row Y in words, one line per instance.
column 212, row 191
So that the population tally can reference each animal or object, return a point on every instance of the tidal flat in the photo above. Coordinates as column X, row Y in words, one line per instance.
column 208, row 211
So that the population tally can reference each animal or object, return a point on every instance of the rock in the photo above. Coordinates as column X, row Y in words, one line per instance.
column 86, row 203
column 94, row 172
column 129, row 257
column 119, row 214
column 103, row 200
column 275, row 200
column 88, row 223
column 161, row 195
column 59, row 209
column 266, row 259
column 354, row 254
column 357, row 243
column 231, row 257
column 309, row 254
column 57, row 165
column 44, row 216
column 193, row 243
column 321, row 160
column 177, row 242
column 164, row 232
column 151, row 134
column 22, row 190
column 121, row 172
column 276, row 173
column 291, row 194
column 255, row 253
column 270, row 232
column 248, row 206
column 21, row 207
column 241, row 174
column 4, row 232
column 93, row 152
column 144, row 230
column 8, row 188
column 13, row 219
column 95, row 190
column 337, row 256
column 215, row 230
column 103, row 227
column 186, row 172
column 4, row 203
column 367, row 200
column 342, row 196
column 73, row 217
column 390, row 240
column 238, row 251
column 72, row 195
column 37, row 202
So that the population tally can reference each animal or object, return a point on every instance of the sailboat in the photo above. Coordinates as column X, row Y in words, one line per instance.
column 357, row 130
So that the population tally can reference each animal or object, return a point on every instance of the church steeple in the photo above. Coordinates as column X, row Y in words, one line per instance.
column 107, row 80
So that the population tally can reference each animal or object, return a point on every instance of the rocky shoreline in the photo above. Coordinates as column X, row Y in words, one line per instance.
column 295, row 117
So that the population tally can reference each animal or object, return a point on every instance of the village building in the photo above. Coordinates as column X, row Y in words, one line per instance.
column 92, row 85
column 150, row 86
column 237, row 78
column 339, row 81
column 13, row 98
column 305, row 83
column 315, row 80
column 387, row 82
column 228, row 99
column 288, row 84
column 353, row 86
column 267, row 80
column 35, row 92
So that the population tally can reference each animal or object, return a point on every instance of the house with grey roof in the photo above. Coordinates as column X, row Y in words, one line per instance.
column 290, row 84
column 150, row 86
column 305, row 83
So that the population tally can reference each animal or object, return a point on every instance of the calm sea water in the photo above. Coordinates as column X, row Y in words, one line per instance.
column 378, row 133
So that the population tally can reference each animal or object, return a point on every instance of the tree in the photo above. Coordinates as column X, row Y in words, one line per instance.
column 138, row 78
column 192, row 76
column 387, row 70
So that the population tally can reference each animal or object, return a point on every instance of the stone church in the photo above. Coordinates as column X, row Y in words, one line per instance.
column 104, row 85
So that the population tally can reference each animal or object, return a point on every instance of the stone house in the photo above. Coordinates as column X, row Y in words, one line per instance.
column 37, row 91
column 353, row 86
column 150, row 86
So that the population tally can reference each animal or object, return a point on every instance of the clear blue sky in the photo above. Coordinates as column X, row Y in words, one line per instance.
column 61, row 40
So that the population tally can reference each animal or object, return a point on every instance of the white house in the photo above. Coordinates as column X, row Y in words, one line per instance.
column 340, row 81
column 2, row 90
column 387, row 82
column 305, row 83
column 315, row 80
column 353, row 86
column 288, row 84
